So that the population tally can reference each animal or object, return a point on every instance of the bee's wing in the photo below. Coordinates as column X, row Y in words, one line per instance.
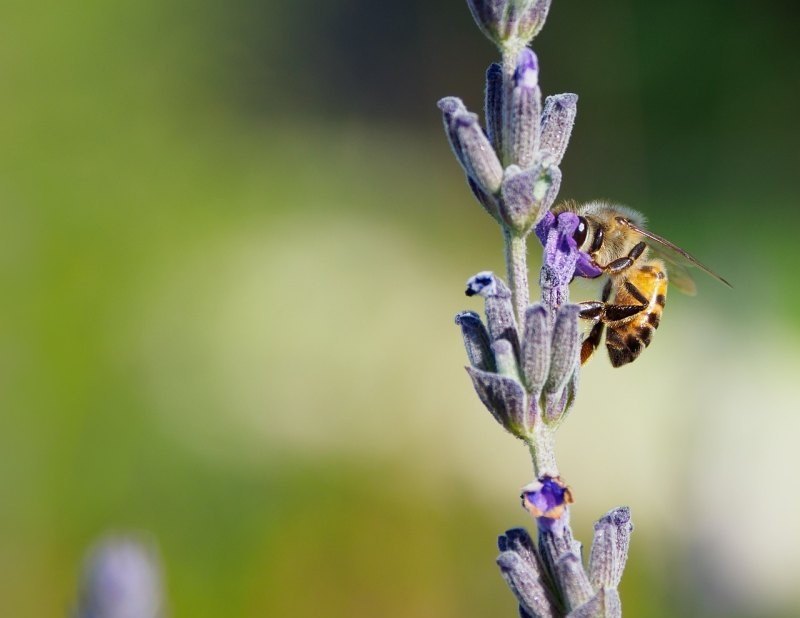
column 678, row 259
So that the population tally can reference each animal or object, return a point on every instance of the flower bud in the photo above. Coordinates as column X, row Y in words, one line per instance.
column 574, row 583
column 494, row 105
column 522, row 112
column 535, row 352
column 504, row 397
column 612, row 536
column 532, row 19
column 477, row 155
column 499, row 308
column 605, row 602
column 480, row 159
column 505, row 359
column 527, row 195
column 523, row 575
column 557, row 121
column 476, row 341
column 566, row 346
column 450, row 106
column 509, row 23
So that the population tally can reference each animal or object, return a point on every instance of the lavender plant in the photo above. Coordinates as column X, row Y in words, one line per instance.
column 121, row 579
column 524, row 360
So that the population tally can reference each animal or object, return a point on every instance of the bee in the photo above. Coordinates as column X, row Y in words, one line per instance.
column 633, row 299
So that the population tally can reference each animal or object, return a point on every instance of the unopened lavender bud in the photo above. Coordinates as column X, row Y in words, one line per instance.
column 526, row 585
column 489, row 202
column 499, row 308
column 573, row 581
column 504, row 358
column 509, row 23
column 532, row 19
column 602, row 561
column 477, row 155
column 548, row 183
column 535, row 348
column 558, row 119
column 453, row 108
column 565, row 350
column 520, row 542
column 476, row 341
column 504, row 397
column 527, row 195
column 490, row 15
column 121, row 579
column 604, row 604
column 556, row 405
column 494, row 105
column 613, row 537
column 450, row 106
column 522, row 112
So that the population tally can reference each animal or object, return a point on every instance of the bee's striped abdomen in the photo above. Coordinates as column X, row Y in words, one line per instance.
column 644, row 285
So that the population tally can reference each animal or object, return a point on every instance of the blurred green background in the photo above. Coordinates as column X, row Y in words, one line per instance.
column 233, row 241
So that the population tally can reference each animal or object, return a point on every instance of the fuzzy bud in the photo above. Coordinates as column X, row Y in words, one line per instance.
column 494, row 105
column 499, row 308
column 477, row 155
column 476, row 341
column 558, row 119
column 522, row 112
column 509, row 23
column 527, row 195
column 505, row 399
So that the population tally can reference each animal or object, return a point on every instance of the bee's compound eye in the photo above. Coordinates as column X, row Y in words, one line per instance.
column 581, row 231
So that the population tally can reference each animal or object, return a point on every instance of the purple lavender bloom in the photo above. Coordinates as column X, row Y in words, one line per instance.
column 562, row 259
column 547, row 497
column 526, row 73
column 121, row 579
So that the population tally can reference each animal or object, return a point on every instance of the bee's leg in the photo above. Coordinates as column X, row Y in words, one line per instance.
column 617, row 266
column 591, row 342
column 594, row 310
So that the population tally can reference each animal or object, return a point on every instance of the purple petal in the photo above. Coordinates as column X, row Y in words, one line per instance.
column 526, row 73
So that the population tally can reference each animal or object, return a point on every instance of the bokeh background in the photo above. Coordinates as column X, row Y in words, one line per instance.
column 233, row 240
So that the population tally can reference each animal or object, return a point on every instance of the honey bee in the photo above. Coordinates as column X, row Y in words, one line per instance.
column 634, row 259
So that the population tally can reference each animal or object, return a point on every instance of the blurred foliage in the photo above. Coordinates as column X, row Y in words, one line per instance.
column 233, row 241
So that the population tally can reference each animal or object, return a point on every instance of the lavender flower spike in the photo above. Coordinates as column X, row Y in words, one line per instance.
column 121, row 579
column 525, row 361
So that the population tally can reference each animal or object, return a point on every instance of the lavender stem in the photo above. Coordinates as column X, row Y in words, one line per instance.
column 516, row 252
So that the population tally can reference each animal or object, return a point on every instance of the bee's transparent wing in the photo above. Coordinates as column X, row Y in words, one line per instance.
column 678, row 259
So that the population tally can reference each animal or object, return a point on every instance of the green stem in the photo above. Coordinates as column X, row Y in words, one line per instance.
column 517, row 269
column 543, row 453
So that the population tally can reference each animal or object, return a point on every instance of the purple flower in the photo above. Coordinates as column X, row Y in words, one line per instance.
column 526, row 73
column 546, row 498
column 562, row 259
